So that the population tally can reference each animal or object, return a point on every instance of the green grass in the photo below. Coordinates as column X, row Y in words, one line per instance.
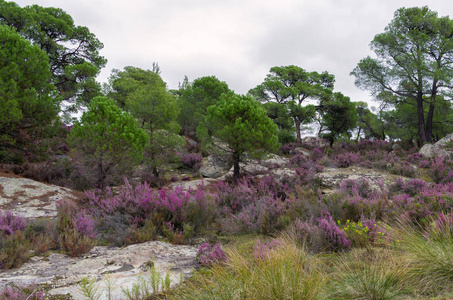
column 418, row 266
column 286, row 272
column 376, row 274
column 430, row 253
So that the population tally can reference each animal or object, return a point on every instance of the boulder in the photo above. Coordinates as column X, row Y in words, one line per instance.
column 192, row 184
column 272, row 164
column 301, row 151
column 315, row 141
column 273, row 161
column 332, row 178
column 214, row 166
column 211, row 171
column 442, row 147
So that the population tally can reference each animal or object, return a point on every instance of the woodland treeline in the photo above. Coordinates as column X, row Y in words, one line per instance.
column 47, row 60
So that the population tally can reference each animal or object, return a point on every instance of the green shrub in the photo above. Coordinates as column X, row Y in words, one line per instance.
column 14, row 250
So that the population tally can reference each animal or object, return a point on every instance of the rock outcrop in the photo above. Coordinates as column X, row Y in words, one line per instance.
column 442, row 147
column 32, row 199
column 332, row 178
column 121, row 266
column 214, row 166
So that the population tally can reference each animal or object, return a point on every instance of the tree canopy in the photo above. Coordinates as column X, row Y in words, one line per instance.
column 290, row 86
column 27, row 98
column 242, row 124
column 195, row 97
column 108, row 138
column 73, row 51
column 145, row 95
column 414, row 64
column 339, row 116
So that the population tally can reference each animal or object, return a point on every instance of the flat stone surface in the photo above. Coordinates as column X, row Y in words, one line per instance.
column 333, row 177
column 32, row 199
column 122, row 266
column 193, row 184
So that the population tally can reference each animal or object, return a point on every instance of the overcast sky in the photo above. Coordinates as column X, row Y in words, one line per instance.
column 237, row 41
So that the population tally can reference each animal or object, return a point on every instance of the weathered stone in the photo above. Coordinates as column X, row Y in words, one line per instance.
column 30, row 198
column 122, row 266
column 211, row 171
column 191, row 142
column 315, row 141
column 332, row 178
column 441, row 147
column 193, row 184
column 215, row 166
column 396, row 147
column 301, row 151
column 274, row 161
column 282, row 173
column 445, row 142
column 429, row 150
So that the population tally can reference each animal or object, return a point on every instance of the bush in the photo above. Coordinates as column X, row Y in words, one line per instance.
column 191, row 160
column 69, row 222
column 429, row 201
column 287, row 149
column 364, row 233
column 28, row 292
column 360, row 187
column 347, row 159
column 438, row 169
column 209, row 255
column 42, row 235
column 14, row 250
column 10, row 223
column 177, row 207
column 321, row 234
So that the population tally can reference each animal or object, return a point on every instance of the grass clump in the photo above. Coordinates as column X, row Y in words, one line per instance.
column 280, row 271
column 430, row 252
column 376, row 274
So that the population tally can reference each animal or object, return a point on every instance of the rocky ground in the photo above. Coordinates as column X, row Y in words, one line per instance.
column 30, row 198
column 124, row 266
column 120, row 266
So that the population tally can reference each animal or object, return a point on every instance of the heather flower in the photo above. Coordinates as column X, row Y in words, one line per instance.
column 424, row 163
column 360, row 187
column 84, row 223
column 415, row 158
column 261, row 250
column 208, row 255
column 438, row 168
column 317, row 154
column 298, row 160
column 344, row 160
column 334, row 235
column 191, row 160
column 22, row 292
column 302, row 230
column 10, row 223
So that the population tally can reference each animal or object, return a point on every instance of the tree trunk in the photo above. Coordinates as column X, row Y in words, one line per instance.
column 358, row 134
column 429, row 118
column 297, row 123
column 101, row 174
column 236, row 170
column 155, row 171
column 429, row 123
column 421, row 118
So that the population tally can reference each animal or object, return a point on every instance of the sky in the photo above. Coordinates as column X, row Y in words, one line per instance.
column 237, row 41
